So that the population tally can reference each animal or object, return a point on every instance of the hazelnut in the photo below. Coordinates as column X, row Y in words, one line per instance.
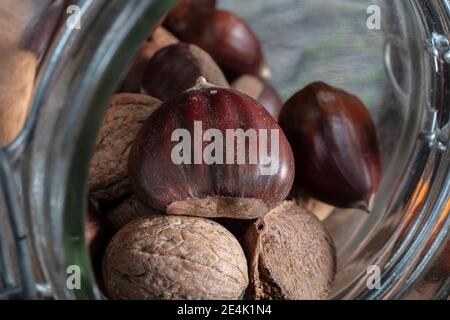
column 290, row 255
column 335, row 146
column 176, row 68
column 108, row 178
column 174, row 257
column 159, row 39
column 230, row 41
column 127, row 211
column 261, row 91
column 241, row 168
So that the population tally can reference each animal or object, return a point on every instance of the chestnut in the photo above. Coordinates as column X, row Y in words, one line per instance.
column 261, row 91
column 206, row 153
column 159, row 39
column 290, row 256
column 230, row 41
column 335, row 146
column 175, row 69
column 178, row 18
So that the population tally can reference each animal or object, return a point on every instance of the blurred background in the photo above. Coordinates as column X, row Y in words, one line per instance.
column 305, row 40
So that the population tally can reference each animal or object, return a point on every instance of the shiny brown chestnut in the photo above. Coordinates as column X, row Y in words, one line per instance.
column 335, row 146
column 230, row 41
column 176, row 68
column 211, row 152
column 180, row 15
column 261, row 91
column 159, row 39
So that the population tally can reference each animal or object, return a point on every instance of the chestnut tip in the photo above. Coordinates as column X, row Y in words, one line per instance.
column 362, row 205
column 201, row 83
column 365, row 205
column 265, row 73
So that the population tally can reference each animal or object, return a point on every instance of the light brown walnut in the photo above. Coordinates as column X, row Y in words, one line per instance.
column 174, row 257
column 108, row 175
column 127, row 211
column 290, row 254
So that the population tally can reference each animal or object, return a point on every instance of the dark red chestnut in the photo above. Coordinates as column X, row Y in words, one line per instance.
column 261, row 91
column 230, row 41
column 335, row 145
column 211, row 152
column 176, row 68
column 178, row 18
column 133, row 80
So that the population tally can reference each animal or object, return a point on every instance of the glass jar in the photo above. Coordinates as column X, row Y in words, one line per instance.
column 393, row 54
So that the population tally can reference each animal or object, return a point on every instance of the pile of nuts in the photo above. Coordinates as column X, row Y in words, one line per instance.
column 190, row 200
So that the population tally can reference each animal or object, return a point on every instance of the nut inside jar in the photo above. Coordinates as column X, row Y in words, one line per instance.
column 241, row 171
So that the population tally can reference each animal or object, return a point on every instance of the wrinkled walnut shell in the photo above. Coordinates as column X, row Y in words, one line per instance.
column 174, row 257
column 108, row 175
column 290, row 254
column 127, row 211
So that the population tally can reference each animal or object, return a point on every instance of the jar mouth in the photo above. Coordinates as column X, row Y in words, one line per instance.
column 80, row 73
column 403, row 236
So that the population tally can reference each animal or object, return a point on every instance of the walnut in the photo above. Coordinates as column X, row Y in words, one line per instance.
column 127, row 211
column 108, row 175
column 174, row 257
column 290, row 254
